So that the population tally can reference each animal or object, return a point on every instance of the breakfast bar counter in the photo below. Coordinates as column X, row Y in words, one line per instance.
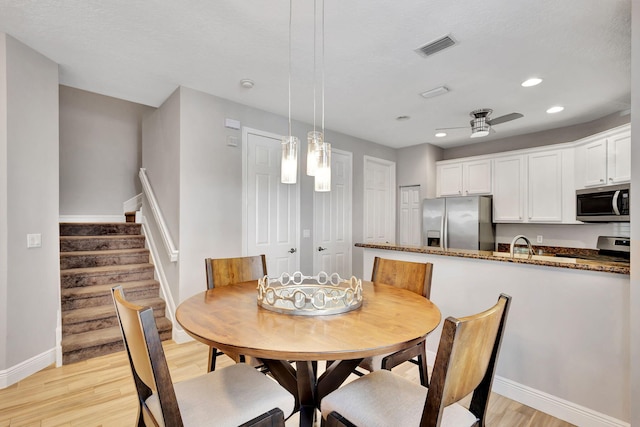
column 542, row 260
column 568, row 325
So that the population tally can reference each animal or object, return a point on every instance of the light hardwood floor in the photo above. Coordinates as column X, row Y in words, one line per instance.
column 100, row 392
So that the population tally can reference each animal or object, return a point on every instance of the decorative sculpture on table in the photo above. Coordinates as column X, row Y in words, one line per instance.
column 309, row 295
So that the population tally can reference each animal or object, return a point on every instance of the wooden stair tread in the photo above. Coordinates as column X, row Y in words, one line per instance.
column 73, row 342
column 104, row 252
column 94, row 313
column 84, row 291
column 106, row 269
column 104, row 237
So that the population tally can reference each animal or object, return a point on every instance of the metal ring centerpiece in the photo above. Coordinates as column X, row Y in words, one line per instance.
column 309, row 295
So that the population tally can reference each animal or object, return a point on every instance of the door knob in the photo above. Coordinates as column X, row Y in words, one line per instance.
column 320, row 249
column 292, row 250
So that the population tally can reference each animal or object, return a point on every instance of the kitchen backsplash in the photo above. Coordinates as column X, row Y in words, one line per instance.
column 564, row 235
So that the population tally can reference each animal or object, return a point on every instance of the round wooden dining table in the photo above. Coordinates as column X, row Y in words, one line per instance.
column 230, row 319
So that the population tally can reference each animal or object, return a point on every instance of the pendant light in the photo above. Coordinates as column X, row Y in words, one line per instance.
column 322, row 178
column 289, row 165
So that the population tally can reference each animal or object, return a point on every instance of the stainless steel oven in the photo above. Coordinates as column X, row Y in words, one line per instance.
column 603, row 204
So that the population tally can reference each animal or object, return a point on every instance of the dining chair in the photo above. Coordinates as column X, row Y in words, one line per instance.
column 415, row 277
column 465, row 363
column 237, row 395
column 227, row 271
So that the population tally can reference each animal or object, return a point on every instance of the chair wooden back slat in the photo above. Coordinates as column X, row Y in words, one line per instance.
column 147, row 359
column 466, row 361
column 413, row 276
column 227, row 271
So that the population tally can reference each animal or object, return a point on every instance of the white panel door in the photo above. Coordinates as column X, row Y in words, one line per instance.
column 271, row 208
column 379, row 200
column 410, row 215
column 332, row 219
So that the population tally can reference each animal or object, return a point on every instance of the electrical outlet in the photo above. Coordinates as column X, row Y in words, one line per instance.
column 539, row 239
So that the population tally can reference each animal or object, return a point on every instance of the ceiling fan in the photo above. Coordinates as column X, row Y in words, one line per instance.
column 481, row 123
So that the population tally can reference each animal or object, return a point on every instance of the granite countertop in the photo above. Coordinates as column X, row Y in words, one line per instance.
column 546, row 260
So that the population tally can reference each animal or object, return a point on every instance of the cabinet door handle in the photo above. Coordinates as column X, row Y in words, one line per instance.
column 602, row 180
column 610, row 179
column 292, row 250
column 320, row 249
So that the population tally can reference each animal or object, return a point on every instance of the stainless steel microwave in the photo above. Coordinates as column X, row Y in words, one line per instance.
column 603, row 204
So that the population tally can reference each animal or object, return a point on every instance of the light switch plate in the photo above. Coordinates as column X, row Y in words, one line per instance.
column 34, row 240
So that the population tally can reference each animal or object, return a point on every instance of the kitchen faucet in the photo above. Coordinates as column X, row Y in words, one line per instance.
column 523, row 237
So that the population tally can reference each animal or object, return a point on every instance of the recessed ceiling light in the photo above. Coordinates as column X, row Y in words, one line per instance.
column 555, row 109
column 441, row 134
column 402, row 118
column 531, row 82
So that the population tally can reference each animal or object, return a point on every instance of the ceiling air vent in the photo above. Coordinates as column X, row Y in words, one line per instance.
column 436, row 46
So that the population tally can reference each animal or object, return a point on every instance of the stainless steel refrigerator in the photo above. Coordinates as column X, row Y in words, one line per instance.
column 458, row 223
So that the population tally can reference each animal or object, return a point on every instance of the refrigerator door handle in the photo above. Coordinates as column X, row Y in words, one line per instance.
column 445, row 223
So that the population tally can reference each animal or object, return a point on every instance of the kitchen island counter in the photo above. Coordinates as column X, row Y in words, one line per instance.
column 567, row 328
column 550, row 261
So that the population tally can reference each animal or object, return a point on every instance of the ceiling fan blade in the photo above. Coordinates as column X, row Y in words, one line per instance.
column 461, row 127
column 505, row 118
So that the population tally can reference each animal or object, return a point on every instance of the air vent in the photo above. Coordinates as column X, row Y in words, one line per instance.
column 436, row 46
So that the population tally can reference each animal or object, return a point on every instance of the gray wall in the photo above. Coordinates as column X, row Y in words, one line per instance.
column 634, row 300
column 208, row 202
column 30, row 280
column 4, row 209
column 161, row 159
column 538, row 139
column 417, row 166
column 100, row 152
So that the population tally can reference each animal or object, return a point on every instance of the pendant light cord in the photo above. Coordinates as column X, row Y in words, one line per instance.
column 315, row 42
column 290, row 19
column 322, row 68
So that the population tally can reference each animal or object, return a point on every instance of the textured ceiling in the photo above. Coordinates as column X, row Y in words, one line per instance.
column 142, row 50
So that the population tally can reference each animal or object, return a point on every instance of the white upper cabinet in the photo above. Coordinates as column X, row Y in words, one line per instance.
column 619, row 158
column 604, row 160
column 544, row 186
column 535, row 187
column 509, row 187
column 464, row 178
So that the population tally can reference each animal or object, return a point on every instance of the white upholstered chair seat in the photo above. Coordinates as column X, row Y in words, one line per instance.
column 221, row 397
column 383, row 399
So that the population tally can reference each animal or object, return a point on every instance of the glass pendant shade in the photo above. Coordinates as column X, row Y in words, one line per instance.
column 289, row 166
column 314, row 141
column 323, row 171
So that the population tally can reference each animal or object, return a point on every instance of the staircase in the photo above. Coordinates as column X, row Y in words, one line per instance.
column 93, row 259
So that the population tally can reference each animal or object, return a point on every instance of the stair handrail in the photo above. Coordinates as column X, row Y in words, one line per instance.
column 172, row 251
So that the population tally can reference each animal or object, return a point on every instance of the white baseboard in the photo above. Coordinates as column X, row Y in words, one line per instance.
column 92, row 218
column 28, row 367
column 547, row 403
